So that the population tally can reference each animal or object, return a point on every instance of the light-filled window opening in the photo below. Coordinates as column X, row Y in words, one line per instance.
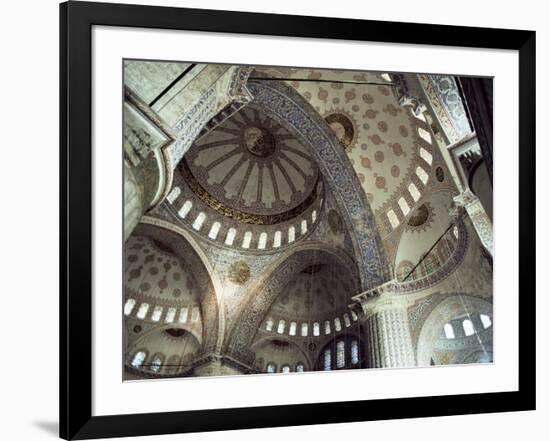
column 485, row 320
column 425, row 135
column 421, row 173
column 195, row 314
column 304, row 227
column 468, row 327
column 142, row 311
column 304, row 329
column 413, row 190
column 392, row 217
column 291, row 234
column 347, row 321
column 316, row 329
column 156, row 363
column 269, row 324
column 426, row 155
column 449, row 331
column 327, row 360
column 129, row 306
column 285, row 369
column 281, row 327
column 170, row 315
column 313, row 216
column 292, row 329
column 271, row 368
column 230, row 237
column 327, row 327
column 185, row 209
column 300, row 367
column 183, row 314
column 455, row 232
column 340, row 354
column 277, row 239
column 404, row 206
column 354, row 352
column 138, row 359
column 247, row 239
column 157, row 312
column 199, row 220
column 337, row 324
column 353, row 315
column 214, row 230
column 173, row 195
column 262, row 241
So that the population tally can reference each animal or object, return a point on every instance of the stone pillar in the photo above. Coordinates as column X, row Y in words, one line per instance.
column 480, row 220
column 389, row 342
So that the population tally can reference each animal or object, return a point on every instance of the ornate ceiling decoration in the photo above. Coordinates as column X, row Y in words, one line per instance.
column 252, row 169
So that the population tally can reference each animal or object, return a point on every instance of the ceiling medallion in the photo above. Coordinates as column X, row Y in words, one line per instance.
column 258, row 141
column 342, row 127
column 239, row 272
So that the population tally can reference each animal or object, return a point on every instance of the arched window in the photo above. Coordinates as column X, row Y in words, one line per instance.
column 425, row 135
column 269, row 324
column 247, row 239
column 353, row 315
column 292, row 330
column 142, row 311
column 183, row 314
column 230, row 237
column 195, row 314
column 337, row 324
column 185, row 209
column 313, row 216
column 404, row 206
column 455, row 232
column 129, row 306
column 449, row 331
column 138, row 359
column 170, row 315
column 316, row 329
column 199, row 220
column 392, row 217
column 340, row 354
column 468, row 327
column 304, row 329
column 327, row 360
column 285, row 369
column 281, row 327
column 214, row 230
column 485, row 320
column 303, row 226
column 291, row 234
column 413, row 190
column 346, row 320
column 421, row 173
column 426, row 155
column 173, row 195
column 354, row 352
column 157, row 312
column 327, row 327
column 271, row 368
column 277, row 239
column 262, row 241
column 300, row 367
column 156, row 363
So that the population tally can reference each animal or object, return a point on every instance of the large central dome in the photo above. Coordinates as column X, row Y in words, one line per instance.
column 251, row 165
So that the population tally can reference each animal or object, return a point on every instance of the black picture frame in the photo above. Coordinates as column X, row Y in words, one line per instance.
column 76, row 21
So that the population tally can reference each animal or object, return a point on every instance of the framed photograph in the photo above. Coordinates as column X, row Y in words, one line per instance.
column 274, row 220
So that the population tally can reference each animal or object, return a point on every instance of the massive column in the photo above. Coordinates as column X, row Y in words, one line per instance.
column 389, row 342
column 480, row 220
